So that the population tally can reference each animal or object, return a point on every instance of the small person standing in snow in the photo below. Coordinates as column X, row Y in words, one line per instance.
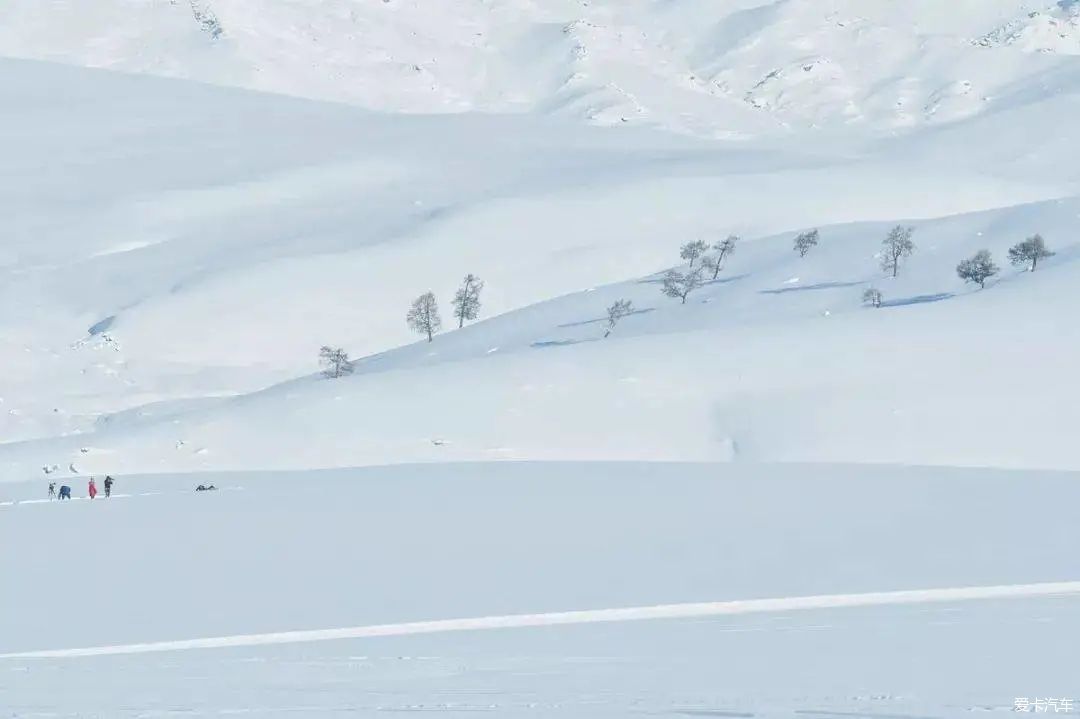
column 92, row 488
column 108, row 486
column 52, row 490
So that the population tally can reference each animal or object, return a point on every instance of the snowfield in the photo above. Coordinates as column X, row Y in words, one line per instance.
column 770, row 500
column 967, row 550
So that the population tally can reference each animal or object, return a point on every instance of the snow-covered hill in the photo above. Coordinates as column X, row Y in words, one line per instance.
column 175, row 253
column 1056, row 30
column 172, row 245
column 727, row 69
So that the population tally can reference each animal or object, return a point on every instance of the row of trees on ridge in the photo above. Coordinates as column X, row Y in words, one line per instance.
column 423, row 318
column 704, row 263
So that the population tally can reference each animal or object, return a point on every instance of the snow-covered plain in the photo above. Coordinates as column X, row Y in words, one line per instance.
column 173, row 254
column 346, row 548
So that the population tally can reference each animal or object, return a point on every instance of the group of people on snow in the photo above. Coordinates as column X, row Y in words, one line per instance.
column 91, row 489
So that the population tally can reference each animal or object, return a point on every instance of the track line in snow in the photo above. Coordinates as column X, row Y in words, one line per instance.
column 589, row 616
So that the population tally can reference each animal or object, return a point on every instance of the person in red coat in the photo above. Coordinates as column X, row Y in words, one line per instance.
column 92, row 488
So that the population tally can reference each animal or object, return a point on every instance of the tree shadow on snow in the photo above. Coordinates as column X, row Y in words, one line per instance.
column 103, row 326
column 918, row 300
column 659, row 280
column 810, row 288
column 562, row 343
column 725, row 280
column 644, row 310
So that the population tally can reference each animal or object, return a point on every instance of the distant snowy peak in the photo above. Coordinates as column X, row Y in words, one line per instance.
column 1055, row 30
column 738, row 68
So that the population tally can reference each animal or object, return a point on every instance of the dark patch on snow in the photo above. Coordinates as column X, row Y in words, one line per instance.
column 810, row 288
column 561, row 343
column 642, row 311
column 918, row 300
column 659, row 280
column 725, row 280
column 101, row 326
column 654, row 280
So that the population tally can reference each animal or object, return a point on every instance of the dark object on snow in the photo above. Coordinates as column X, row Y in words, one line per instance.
column 108, row 485
column 65, row 492
column 52, row 490
column 204, row 488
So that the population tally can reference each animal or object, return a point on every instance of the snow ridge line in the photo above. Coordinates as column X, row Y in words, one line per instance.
column 589, row 616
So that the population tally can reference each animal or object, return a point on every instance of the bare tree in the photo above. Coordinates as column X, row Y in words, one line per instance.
column 467, row 299
column 806, row 242
column 616, row 312
column 681, row 284
column 1029, row 252
column 712, row 264
column 335, row 362
column 423, row 316
column 978, row 268
column 724, row 248
column 897, row 245
column 691, row 251
column 873, row 297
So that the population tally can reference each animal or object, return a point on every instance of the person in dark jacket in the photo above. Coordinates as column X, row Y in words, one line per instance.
column 65, row 492
column 108, row 486
column 52, row 490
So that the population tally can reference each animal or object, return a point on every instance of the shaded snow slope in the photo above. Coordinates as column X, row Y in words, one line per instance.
column 725, row 69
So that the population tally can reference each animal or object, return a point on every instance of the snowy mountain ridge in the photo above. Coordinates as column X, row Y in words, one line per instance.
column 737, row 68
column 1056, row 30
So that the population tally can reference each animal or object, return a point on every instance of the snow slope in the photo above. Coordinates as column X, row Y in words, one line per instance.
column 736, row 68
column 179, row 246
column 424, row 543
column 776, row 361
